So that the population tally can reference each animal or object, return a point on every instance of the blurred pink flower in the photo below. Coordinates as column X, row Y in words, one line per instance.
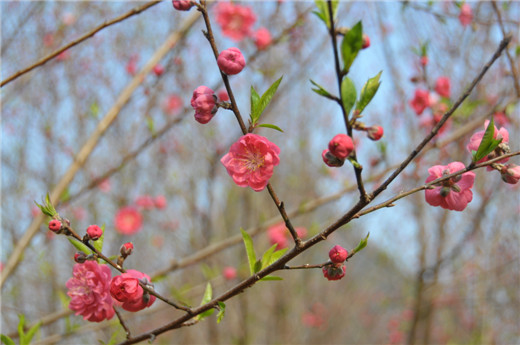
column 501, row 119
column 443, row 86
column 453, row 194
column 64, row 55
column 315, row 317
column 104, row 186
column 145, row 202
column 231, row 61
column 229, row 273
column 128, row 221
column 511, row 173
column 125, row 288
column 160, row 202
column 251, row 161
column 262, row 38
column 158, row 70
column 223, row 95
column 476, row 139
column 79, row 213
column 280, row 234
column 172, row 104
column 234, row 20
column 131, row 66
column 89, row 290
column 421, row 101
column 466, row 14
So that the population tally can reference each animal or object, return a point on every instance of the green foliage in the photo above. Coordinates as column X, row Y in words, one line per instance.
column 94, row 109
column 250, row 250
column 6, row 340
column 25, row 337
column 488, row 143
column 348, row 94
column 221, row 312
column 258, row 104
column 208, row 293
column 321, row 91
column 323, row 11
column 362, row 244
column 368, row 92
column 351, row 44
column 80, row 246
column 47, row 207
column 150, row 124
column 270, row 256
column 268, row 125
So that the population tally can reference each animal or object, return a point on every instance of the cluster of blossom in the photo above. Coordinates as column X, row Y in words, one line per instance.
column 129, row 220
column 279, row 234
column 455, row 193
column 340, row 147
column 335, row 270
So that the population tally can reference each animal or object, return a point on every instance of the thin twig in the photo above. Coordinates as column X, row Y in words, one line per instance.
column 89, row 34
column 123, row 324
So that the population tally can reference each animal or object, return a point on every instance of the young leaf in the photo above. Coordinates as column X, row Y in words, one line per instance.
column 351, row 45
column 271, row 278
column 47, row 207
column 99, row 243
column 266, row 258
column 21, row 324
column 30, row 333
column 80, row 246
column 321, row 91
column 6, row 340
column 348, row 94
column 208, row 293
column 488, row 143
column 368, row 92
column 276, row 255
column 268, row 125
column 362, row 244
column 255, row 99
column 264, row 101
column 221, row 312
column 323, row 10
column 250, row 250
column 258, row 266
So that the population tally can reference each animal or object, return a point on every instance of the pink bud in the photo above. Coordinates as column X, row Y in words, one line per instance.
column 341, row 146
column 334, row 271
column 511, row 173
column 231, row 61
column 366, row 41
column 204, row 103
column 54, row 225
column 338, row 254
column 158, row 70
column 80, row 257
column 229, row 273
column 262, row 38
column 223, row 95
column 466, row 15
column 160, row 202
column 443, row 86
column 424, row 60
column 182, row 5
column 375, row 132
column 330, row 159
column 94, row 232
column 126, row 249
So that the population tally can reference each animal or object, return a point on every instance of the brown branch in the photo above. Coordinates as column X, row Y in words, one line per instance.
column 86, row 36
column 123, row 324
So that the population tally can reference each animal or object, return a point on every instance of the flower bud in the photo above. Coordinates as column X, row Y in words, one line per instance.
column 341, row 146
column 94, row 232
column 229, row 273
column 204, row 102
column 231, row 61
column 54, row 225
column 330, row 159
column 375, row 132
column 126, row 249
column 334, row 271
column 424, row 60
column 511, row 173
column 158, row 70
column 338, row 254
column 80, row 257
column 366, row 42
column 182, row 5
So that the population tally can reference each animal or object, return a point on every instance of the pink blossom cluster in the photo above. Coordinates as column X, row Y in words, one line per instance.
column 251, row 161
column 339, row 149
column 204, row 102
column 279, row 234
column 336, row 269
column 503, row 147
column 129, row 220
column 465, row 15
column 125, row 288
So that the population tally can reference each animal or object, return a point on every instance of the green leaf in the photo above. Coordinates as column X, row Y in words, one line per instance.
column 488, row 143
column 31, row 332
column 21, row 324
column 99, row 243
column 267, row 278
column 266, row 258
column 255, row 100
column 323, row 10
column 264, row 101
column 321, row 91
column 277, row 255
column 258, row 266
column 94, row 109
column 351, row 44
column 221, row 312
column 362, row 244
column 268, row 125
column 368, row 92
column 250, row 250
column 6, row 340
column 80, row 246
column 47, row 207
column 348, row 94
column 205, row 299
column 150, row 124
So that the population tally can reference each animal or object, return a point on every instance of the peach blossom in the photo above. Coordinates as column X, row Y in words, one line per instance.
column 128, row 221
column 125, row 288
column 453, row 194
column 234, row 20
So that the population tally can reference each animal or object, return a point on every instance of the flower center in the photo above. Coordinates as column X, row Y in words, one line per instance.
column 253, row 160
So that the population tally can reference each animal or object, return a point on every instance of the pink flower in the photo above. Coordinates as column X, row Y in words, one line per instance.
column 366, row 41
column 330, row 159
column 476, row 139
column 64, row 55
column 453, row 194
column 172, row 104
column 424, row 60
column 160, row 202
column 442, row 86
column 338, row 254
column 126, row 289
column 182, row 5
column 204, row 102
column 341, row 146
column 420, row 101
column 510, row 173
column 315, row 317
column 234, row 20
column 280, row 235
column 334, row 271
column 229, row 273
column 104, row 186
column 223, row 95
column 375, row 133
column 251, row 161
column 94, row 232
column 128, row 221
column 158, row 70
column 145, row 202
column 466, row 15
column 501, row 119
column 262, row 38
column 89, row 290
column 131, row 66
column 231, row 61
column 54, row 225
